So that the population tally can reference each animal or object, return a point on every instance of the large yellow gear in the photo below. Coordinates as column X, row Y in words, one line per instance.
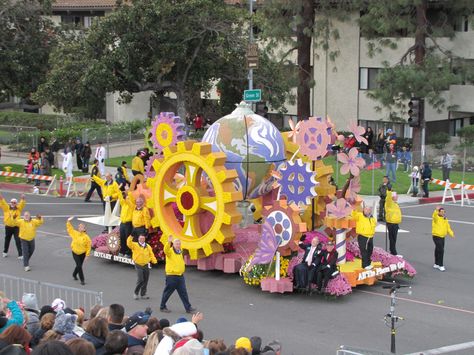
column 193, row 200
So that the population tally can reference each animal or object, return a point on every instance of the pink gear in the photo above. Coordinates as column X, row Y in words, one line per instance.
column 149, row 170
column 166, row 130
column 314, row 138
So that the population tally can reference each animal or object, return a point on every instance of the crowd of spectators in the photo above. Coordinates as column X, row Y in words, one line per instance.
column 56, row 329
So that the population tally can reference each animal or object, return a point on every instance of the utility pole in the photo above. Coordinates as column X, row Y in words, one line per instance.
column 250, row 77
column 420, row 51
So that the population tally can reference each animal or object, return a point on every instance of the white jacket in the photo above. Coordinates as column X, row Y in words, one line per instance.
column 184, row 329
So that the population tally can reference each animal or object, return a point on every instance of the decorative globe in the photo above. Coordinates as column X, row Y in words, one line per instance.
column 253, row 146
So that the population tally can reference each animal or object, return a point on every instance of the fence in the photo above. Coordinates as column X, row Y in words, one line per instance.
column 109, row 135
column 14, row 288
column 377, row 166
column 19, row 139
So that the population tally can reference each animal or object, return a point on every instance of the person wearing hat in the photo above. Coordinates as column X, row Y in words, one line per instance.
column 136, row 329
column 174, row 270
column 80, row 247
column 138, row 167
column 64, row 325
column 27, row 234
column 391, row 162
column 100, row 156
column 30, row 303
column 393, row 217
column 94, row 185
column 11, row 212
column 415, row 179
column 110, row 189
column 328, row 266
column 244, row 343
column 440, row 227
column 365, row 230
column 142, row 255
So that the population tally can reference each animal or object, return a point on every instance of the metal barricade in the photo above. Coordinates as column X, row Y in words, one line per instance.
column 14, row 288
column 350, row 350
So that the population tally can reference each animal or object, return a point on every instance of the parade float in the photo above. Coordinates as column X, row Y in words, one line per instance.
column 242, row 198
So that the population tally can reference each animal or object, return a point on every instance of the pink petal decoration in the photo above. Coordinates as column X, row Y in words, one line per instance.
column 295, row 129
column 351, row 162
column 353, row 189
column 358, row 132
column 339, row 209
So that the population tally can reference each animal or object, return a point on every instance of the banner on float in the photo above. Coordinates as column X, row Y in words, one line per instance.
column 107, row 256
column 378, row 271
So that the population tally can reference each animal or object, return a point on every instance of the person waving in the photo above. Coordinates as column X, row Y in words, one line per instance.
column 80, row 247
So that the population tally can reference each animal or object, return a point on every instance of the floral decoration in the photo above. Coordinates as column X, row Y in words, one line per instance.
column 339, row 209
column 358, row 132
column 294, row 129
column 351, row 162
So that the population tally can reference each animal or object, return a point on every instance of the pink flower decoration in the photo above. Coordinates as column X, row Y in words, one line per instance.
column 295, row 129
column 339, row 209
column 339, row 286
column 351, row 162
column 353, row 189
column 358, row 131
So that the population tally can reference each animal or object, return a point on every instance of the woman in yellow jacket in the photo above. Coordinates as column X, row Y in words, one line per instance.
column 439, row 229
column 142, row 255
column 11, row 211
column 393, row 217
column 365, row 229
column 80, row 247
column 138, row 166
column 27, row 233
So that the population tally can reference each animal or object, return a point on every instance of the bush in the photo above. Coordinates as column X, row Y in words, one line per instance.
column 439, row 140
column 26, row 119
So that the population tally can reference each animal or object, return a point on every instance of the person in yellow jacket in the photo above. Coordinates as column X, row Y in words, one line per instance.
column 142, row 255
column 80, row 247
column 141, row 219
column 110, row 188
column 138, row 166
column 174, row 270
column 126, row 212
column 393, row 217
column 439, row 229
column 27, row 234
column 11, row 212
column 365, row 230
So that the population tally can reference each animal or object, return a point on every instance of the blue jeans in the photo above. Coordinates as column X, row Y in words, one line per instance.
column 174, row 282
column 391, row 168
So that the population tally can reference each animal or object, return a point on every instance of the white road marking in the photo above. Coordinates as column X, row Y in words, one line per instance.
column 48, row 233
column 468, row 311
column 429, row 218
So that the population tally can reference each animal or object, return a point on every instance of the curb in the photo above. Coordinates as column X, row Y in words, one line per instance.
column 434, row 199
column 25, row 188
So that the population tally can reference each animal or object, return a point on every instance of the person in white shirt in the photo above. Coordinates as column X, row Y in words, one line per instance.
column 67, row 163
column 100, row 156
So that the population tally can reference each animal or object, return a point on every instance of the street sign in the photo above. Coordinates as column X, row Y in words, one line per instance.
column 252, row 56
column 253, row 95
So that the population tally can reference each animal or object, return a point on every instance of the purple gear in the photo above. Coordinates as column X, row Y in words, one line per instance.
column 149, row 170
column 314, row 138
column 171, row 135
column 298, row 182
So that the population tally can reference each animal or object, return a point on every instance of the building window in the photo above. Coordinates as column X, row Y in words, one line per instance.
column 461, row 24
column 455, row 125
column 368, row 78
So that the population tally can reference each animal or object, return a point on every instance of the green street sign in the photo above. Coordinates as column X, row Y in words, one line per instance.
column 253, row 95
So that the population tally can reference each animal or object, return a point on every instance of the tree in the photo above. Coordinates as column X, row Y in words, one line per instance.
column 296, row 26
column 426, row 69
column 26, row 39
column 177, row 47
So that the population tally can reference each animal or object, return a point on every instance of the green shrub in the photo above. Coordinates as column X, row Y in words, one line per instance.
column 26, row 119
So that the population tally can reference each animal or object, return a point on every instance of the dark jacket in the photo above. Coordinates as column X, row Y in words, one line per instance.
column 318, row 253
column 383, row 190
column 97, row 342
column 329, row 260
column 135, row 345
column 426, row 172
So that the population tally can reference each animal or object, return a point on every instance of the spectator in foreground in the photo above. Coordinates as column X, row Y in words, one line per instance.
column 30, row 304
column 53, row 347
column 116, row 343
column 46, row 323
column 116, row 314
column 96, row 333
column 136, row 329
column 15, row 337
column 81, row 346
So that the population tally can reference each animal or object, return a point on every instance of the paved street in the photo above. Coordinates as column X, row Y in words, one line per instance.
column 440, row 311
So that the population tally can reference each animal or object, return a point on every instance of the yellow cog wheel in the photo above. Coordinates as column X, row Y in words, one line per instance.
column 209, row 211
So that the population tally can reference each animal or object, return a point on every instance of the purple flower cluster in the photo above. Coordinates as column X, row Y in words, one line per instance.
column 339, row 286
column 101, row 239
